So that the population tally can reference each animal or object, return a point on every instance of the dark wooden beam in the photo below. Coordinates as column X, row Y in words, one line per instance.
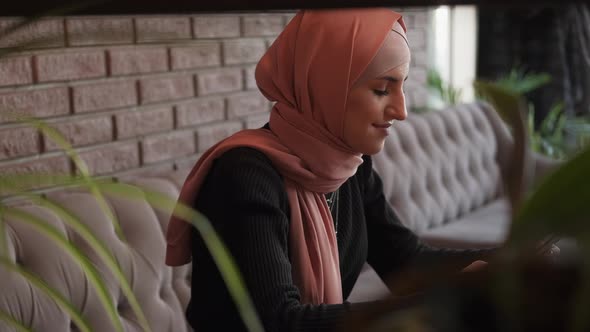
column 131, row 7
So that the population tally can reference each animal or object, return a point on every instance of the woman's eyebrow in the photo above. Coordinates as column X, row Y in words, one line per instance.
column 391, row 78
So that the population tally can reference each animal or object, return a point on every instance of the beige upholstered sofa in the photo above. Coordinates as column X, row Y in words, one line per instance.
column 441, row 171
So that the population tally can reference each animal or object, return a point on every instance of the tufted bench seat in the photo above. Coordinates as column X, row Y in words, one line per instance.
column 163, row 292
column 441, row 171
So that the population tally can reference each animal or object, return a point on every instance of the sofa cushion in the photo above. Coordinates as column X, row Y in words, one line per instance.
column 486, row 226
column 437, row 167
column 140, row 255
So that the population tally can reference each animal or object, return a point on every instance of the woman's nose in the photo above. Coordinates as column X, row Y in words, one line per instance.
column 396, row 110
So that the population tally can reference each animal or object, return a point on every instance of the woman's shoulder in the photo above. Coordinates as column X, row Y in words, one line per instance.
column 244, row 165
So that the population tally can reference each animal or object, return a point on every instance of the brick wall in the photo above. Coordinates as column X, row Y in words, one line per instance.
column 142, row 94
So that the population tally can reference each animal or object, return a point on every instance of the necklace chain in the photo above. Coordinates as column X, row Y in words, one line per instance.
column 332, row 201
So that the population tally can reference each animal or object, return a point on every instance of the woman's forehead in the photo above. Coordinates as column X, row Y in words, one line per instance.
column 393, row 54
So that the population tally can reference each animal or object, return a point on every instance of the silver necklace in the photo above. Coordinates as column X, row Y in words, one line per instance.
column 332, row 201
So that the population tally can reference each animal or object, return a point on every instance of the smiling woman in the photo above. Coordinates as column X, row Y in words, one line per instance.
column 377, row 98
column 336, row 77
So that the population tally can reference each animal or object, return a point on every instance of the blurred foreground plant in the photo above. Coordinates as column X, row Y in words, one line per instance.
column 519, row 290
column 20, row 187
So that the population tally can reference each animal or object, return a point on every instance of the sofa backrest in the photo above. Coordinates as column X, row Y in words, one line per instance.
column 439, row 165
column 163, row 292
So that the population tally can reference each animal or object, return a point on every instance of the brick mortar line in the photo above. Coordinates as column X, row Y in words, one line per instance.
column 33, row 157
column 90, row 81
column 119, row 110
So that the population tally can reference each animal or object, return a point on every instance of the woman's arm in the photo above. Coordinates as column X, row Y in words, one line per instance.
column 393, row 247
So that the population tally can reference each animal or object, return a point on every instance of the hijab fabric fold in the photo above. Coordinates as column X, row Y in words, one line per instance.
column 308, row 72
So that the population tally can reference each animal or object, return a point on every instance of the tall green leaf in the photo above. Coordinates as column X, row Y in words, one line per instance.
column 61, row 301
column 96, row 244
column 216, row 247
column 3, row 243
column 511, row 108
column 81, row 166
column 89, row 270
column 13, row 322
column 559, row 205
column 521, row 82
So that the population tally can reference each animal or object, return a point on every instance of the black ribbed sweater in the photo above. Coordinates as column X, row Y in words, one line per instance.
column 245, row 199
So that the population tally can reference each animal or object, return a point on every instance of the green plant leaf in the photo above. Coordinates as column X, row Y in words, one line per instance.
column 511, row 108
column 216, row 247
column 62, row 302
column 18, row 326
column 520, row 82
column 559, row 205
column 81, row 166
column 89, row 270
column 3, row 243
column 86, row 233
column 104, row 254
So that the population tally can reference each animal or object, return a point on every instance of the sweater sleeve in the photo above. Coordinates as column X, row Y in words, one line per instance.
column 244, row 198
column 392, row 246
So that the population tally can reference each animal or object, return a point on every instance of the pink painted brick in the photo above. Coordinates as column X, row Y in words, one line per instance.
column 269, row 41
column 250, row 78
column 99, row 31
column 70, row 65
column 101, row 96
column 80, row 132
column 200, row 111
column 35, row 103
column 144, row 121
column 43, row 33
column 44, row 165
column 187, row 163
column 288, row 18
column 111, row 158
column 262, row 25
column 209, row 135
column 136, row 60
column 246, row 103
column 199, row 55
column 256, row 121
column 162, row 28
column 155, row 89
column 241, row 51
column 15, row 70
column 219, row 81
column 168, row 146
column 18, row 142
column 419, row 59
column 146, row 171
column 214, row 26
column 416, row 39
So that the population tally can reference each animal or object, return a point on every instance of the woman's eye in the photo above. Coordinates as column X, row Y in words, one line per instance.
column 380, row 92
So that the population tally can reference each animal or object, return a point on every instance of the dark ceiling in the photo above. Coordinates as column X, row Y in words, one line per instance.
column 101, row 7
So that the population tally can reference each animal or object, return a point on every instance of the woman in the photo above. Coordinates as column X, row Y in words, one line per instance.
column 297, row 202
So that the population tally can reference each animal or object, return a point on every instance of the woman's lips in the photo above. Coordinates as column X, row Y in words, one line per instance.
column 382, row 125
column 383, row 128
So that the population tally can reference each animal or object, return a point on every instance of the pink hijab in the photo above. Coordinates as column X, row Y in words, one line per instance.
column 308, row 71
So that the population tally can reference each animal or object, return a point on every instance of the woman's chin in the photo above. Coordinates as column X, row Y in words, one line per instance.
column 373, row 150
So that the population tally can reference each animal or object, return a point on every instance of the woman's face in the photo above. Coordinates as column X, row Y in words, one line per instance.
column 371, row 107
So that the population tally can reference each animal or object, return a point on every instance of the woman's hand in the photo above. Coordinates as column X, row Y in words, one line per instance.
column 551, row 251
column 475, row 266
